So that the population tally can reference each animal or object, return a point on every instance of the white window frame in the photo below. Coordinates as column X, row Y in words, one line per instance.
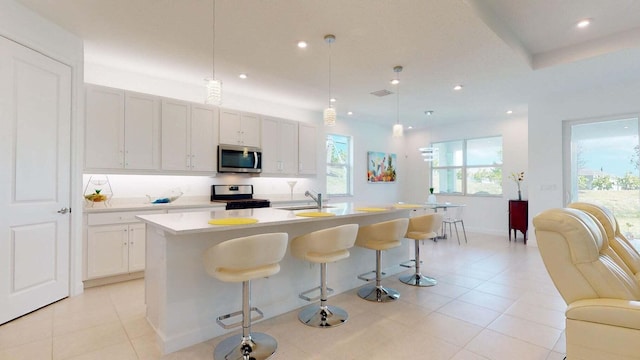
column 464, row 167
column 348, row 166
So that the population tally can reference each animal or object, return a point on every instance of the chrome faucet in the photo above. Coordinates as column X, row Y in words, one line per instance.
column 317, row 199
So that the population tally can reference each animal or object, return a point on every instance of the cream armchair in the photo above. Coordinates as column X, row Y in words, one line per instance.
column 603, row 311
column 623, row 248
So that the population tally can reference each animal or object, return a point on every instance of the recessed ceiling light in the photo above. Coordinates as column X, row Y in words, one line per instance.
column 332, row 99
column 584, row 23
column 395, row 82
column 242, row 76
column 349, row 113
column 457, row 87
column 509, row 112
column 302, row 44
column 410, row 127
column 429, row 112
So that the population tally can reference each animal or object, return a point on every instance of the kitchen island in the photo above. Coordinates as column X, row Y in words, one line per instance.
column 183, row 301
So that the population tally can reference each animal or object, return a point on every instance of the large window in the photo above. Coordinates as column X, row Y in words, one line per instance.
column 468, row 167
column 339, row 168
column 603, row 164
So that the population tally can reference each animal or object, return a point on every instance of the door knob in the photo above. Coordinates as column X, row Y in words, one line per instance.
column 64, row 210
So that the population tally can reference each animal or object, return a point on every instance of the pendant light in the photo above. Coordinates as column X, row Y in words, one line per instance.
column 398, row 130
column 213, row 85
column 329, row 114
column 428, row 153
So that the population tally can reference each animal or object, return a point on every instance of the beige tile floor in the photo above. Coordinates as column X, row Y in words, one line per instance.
column 494, row 300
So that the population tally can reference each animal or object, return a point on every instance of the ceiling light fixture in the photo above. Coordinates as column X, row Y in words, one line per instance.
column 509, row 112
column 349, row 113
column 428, row 153
column 242, row 76
column 583, row 23
column 398, row 130
column 457, row 87
column 302, row 44
column 213, row 85
column 329, row 114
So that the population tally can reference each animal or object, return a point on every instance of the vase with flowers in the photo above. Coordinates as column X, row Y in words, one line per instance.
column 518, row 177
column 431, row 199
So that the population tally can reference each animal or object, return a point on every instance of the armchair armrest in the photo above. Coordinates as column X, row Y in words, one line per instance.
column 614, row 312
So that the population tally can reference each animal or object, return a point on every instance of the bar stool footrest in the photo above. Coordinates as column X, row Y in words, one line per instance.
column 409, row 263
column 220, row 319
column 303, row 295
column 364, row 276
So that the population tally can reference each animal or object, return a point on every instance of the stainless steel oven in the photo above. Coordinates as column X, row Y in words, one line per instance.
column 237, row 197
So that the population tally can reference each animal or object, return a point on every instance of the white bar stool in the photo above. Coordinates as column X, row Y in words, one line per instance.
column 381, row 236
column 323, row 246
column 241, row 260
column 421, row 228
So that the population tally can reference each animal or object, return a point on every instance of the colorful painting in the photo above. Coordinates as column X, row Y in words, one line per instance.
column 381, row 167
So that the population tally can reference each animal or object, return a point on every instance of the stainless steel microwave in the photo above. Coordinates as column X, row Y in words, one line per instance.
column 239, row 159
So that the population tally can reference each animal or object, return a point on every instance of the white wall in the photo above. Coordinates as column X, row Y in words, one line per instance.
column 482, row 214
column 30, row 30
column 545, row 134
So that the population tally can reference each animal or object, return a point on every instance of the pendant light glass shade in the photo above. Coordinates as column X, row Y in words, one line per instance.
column 398, row 130
column 214, row 91
column 329, row 116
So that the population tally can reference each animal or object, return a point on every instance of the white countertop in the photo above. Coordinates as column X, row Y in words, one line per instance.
column 185, row 202
column 194, row 222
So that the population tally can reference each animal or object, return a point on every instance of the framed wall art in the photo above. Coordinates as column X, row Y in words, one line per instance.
column 381, row 167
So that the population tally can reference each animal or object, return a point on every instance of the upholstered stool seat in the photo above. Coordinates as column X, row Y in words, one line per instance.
column 242, row 260
column 322, row 247
column 421, row 228
column 381, row 236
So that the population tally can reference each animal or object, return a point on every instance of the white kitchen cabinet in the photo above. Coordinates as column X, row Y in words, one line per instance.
column 115, row 249
column 189, row 133
column 115, row 244
column 307, row 149
column 279, row 146
column 239, row 128
column 121, row 130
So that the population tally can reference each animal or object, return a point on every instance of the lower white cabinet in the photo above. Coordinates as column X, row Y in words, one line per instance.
column 115, row 243
column 115, row 250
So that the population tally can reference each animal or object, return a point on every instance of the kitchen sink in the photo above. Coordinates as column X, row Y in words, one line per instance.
column 304, row 207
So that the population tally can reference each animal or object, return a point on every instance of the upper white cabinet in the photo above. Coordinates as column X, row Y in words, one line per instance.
column 121, row 129
column 279, row 146
column 189, row 133
column 307, row 149
column 239, row 128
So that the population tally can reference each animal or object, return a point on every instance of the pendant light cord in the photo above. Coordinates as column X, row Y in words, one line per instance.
column 330, row 73
column 398, row 100
column 213, row 42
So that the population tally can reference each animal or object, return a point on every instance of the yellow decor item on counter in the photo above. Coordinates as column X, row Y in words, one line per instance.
column 371, row 209
column 407, row 206
column 315, row 214
column 233, row 221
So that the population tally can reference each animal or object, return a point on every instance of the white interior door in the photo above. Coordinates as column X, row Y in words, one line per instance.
column 35, row 120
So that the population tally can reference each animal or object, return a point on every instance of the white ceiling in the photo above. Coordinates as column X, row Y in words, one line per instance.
column 504, row 52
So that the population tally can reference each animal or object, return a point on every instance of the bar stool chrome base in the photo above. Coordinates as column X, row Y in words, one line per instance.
column 258, row 347
column 378, row 294
column 418, row 280
column 323, row 317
